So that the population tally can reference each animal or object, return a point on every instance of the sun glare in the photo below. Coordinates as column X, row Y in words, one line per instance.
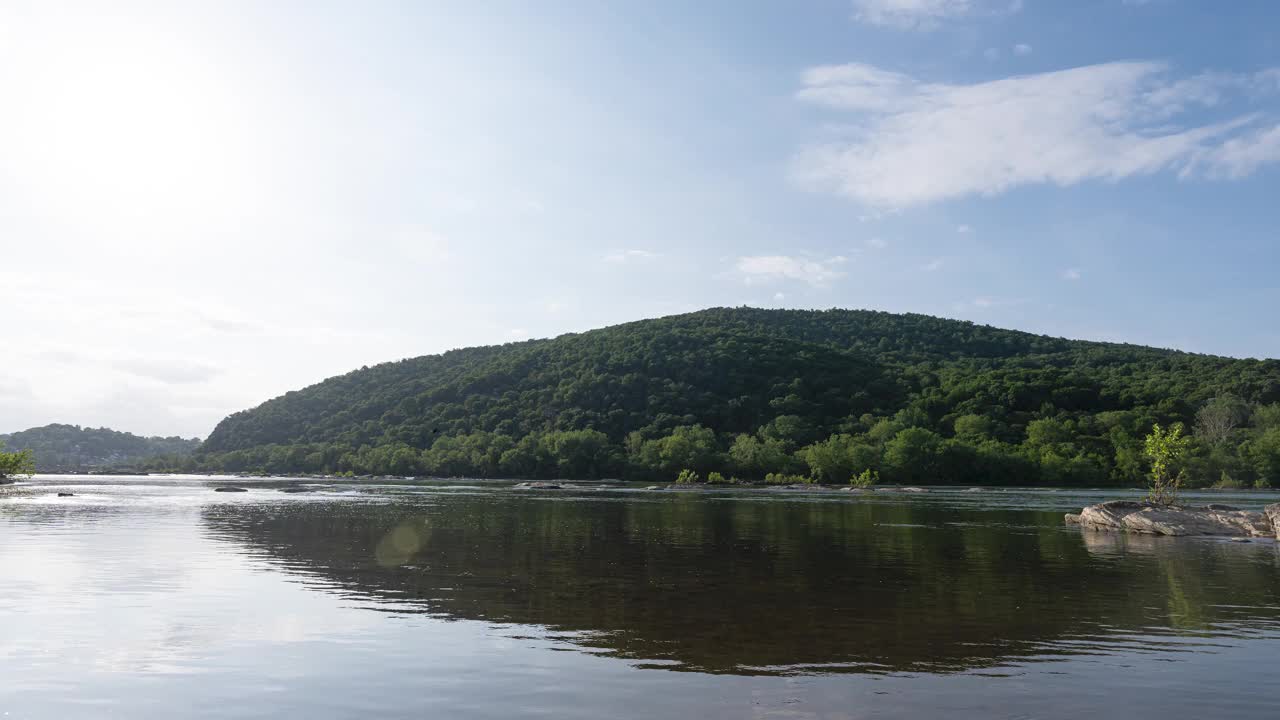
column 132, row 124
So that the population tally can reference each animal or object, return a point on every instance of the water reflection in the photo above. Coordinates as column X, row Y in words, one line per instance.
column 774, row 586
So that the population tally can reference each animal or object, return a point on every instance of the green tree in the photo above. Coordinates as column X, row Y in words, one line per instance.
column 16, row 464
column 1264, row 453
column 912, row 456
column 1216, row 420
column 756, row 457
column 1166, row 450
column 690, row 447
column 838, row 458
column 973, row 428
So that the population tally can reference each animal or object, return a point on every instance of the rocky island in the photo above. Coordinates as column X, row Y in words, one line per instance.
column 1155, row 519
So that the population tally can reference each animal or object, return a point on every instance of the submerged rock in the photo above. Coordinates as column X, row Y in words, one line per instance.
column 230, row 488
column 538, row 486
column 1151, row 519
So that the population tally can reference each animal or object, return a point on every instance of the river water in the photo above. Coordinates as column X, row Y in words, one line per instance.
column 155, row 597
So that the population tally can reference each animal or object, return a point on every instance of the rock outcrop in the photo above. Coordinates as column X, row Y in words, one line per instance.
column 1273, row 514
column 538, row 486
column 230, row 489
column 1152, row 519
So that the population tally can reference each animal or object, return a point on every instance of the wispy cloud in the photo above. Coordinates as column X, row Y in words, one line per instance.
column 932, row 265
column 174, row 371
column 1071, row 274
column 964, row 229
column 913, row 142
column 877, row 243
column 817, row 273
column 982, row 303
column 1022, row 49
column 926, row 14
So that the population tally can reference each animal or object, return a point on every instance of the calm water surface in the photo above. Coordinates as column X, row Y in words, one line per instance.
column 156, row 597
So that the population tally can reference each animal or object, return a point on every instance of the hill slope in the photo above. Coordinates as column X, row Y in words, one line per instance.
column 60, row 447
column 751, row 391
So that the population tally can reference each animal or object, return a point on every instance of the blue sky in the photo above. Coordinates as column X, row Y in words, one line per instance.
column 203, row 205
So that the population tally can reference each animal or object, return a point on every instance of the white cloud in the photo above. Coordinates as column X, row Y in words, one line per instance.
column 915, row 142
column 168, row 370
column 1071, row 274
column 877, row 243
column 622, row 256
column 932, row 265
column 818, row 273
column 779, row 297
column 1022, row 49
column 964, row 229
column 926, row 14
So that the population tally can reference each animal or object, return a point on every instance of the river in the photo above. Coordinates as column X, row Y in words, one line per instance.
column 156, row 597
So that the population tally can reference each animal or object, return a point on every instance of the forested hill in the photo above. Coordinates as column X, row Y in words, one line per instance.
column 750, row 392
column 70, row 447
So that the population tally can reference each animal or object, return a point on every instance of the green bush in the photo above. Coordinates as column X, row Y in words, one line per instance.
column 786, row 479
column 688, row 477
column 1226, row 482
column 716, row 478
column 865, row 479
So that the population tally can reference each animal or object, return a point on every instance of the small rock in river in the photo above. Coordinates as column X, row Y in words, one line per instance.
column 66, row 494
column 230, row 489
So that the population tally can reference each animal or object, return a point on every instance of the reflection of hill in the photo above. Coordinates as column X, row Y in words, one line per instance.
column 756, row 586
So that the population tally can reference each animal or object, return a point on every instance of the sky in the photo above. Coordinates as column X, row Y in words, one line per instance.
column 205, row 205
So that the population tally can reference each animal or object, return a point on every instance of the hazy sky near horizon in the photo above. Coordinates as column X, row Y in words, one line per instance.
column 206, row 204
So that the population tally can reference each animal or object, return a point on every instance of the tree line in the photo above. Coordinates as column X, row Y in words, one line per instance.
column 1057, row 451
column 788, row 395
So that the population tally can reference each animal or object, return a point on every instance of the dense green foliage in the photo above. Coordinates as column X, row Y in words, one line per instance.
column 750, row 393
column 71, row 447
column 15, row 463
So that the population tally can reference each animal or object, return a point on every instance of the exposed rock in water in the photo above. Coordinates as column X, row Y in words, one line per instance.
column 902, row 489
column 974, row 490
column 66, row 494
column 1273, row 514
column 538, row 486
column 297, row 490
column 654, row 487
column 1151, row 519
column 1071, row 518
column 230, row 488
